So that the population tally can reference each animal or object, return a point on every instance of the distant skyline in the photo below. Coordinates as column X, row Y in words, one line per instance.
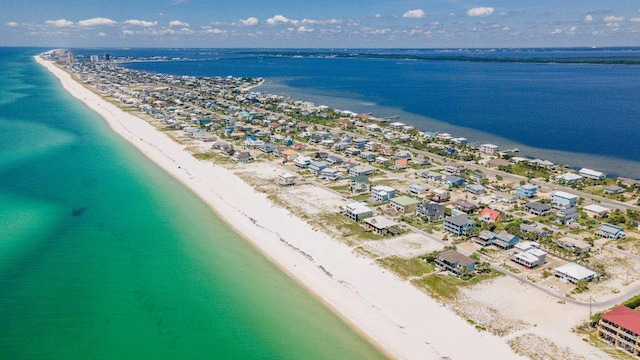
column 320, row 24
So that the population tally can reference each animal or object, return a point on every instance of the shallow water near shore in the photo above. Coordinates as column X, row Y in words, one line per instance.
column 103, row 255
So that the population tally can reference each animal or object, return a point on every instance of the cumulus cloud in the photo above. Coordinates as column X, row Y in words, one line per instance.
column 97, row 21
column 635, row 19
column 480, row 11
column 251, row 21
column 556, row 32
column 12, row 23
column 588, row 18
column 377, row 16
column 611, row 18
column 102, row 34
column 59, row 23
column 279, row 19
column 414, row 14
column 176, row 23
column 304, row 29
column 142, row 23
column 128, row 32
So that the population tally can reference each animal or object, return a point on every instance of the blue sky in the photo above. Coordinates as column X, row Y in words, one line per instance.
column 320, row 24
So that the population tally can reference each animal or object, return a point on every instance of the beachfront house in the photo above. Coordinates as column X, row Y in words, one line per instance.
column 357, row 211
column 430, row 211
column 286, row 179
column 489, row 149
column 613, row 189
column 620, row 327
column 568, row 178
column 455, row 262
column 527, row 191
column 315, row 167
column 404, row 204
column 382, row 193
column 530, row 258
column 591, row 174
column 563, row 200
column 302, row 161
column 573, row 273
column 611, row 231
column 380, row 225
column 459, row 225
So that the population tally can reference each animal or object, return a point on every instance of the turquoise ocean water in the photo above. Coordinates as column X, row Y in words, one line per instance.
column 104, row 256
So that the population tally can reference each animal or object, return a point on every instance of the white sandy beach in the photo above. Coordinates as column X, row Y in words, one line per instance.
column 402, row 320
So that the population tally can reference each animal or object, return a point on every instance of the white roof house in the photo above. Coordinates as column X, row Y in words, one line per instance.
column 568, row 177
column 573, row 273
column 591, row 174
column 597, row 210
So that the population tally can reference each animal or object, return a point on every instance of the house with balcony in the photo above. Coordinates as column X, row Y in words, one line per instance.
column 596, row 211
column 332, row 174
column 475, row 189
column 380, row 225
column 453, row 181
column 381, row 193
column 576, row 245
column 431, row 176
column 430, row 211
column 315, row 167
column 490, row 215
column 504, row 240
column 459, row 225
column 404, row 204
column 567, row 216
column 611, row 231
column 417, row 189
column 302, row 161
column 620, row 327
column 563, row 200
column 489, row 149
column 530, row 258
column 286, row 179
column 568, row 178
column 357, row 211
column 527, row 191
column 537, row 208
column 572, row 273
column 454, row 168
column 591, row 174
column 439, row 195
column 360, row 170
column 455, row 262
column 359, row 184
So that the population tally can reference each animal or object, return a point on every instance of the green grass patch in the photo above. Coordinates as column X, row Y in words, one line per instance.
column 445, row 287
column 406, row 268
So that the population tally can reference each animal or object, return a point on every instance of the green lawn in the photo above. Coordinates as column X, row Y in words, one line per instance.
column 446, row 286
column 406, row 268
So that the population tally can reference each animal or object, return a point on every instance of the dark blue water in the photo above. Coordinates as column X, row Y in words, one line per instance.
column 565, row 112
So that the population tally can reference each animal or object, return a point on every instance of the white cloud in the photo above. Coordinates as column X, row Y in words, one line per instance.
column 142, row 23
column 97, row 21
column 480, row 11
column 176, row 23
column 573, row 29
column 251, row 21
column 216, row 31
column 611, row 18
column 59, row 23
column 556, row 32
column 635, row 19
column 279, row 19
column 304, row 29
column 12, row 23
column 128, row 32
column 377, row 16
column 588, row 18
column 101, row 34
column 414, row 14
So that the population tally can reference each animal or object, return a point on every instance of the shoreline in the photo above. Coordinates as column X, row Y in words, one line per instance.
column 403, row 327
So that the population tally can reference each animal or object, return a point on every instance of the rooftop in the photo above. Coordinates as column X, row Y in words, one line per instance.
column 624, row 317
